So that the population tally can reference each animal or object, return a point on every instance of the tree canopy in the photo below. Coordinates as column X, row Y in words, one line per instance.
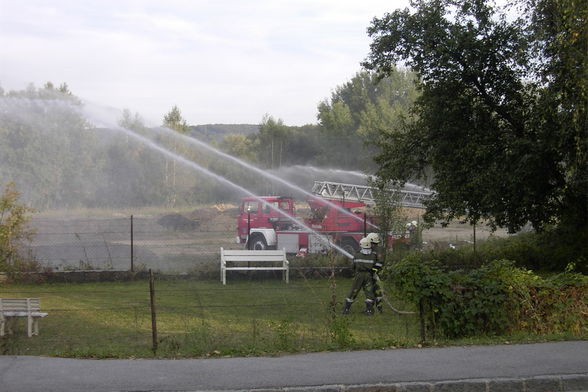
column 351, row 121
column 174, row 120
column 497, row 120
column 58, row 159
column 357, row 115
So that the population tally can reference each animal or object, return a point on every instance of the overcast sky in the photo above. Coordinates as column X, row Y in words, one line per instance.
column 219, row 61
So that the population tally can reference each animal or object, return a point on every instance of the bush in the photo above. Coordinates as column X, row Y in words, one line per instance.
column 491, row 299
column 550, row 251
column 13, row 217
column 558, row 303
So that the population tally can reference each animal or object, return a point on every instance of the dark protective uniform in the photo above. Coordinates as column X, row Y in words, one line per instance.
column 363, row 265
column 378, row 291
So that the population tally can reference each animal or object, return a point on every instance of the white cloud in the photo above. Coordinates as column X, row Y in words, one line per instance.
column 220, row 61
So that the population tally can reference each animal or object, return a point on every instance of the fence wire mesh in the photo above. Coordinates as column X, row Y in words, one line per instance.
column 256, row 313
column 201, row 318
column 164, row 242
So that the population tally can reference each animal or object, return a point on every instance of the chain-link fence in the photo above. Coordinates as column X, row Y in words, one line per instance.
column 201, row 318
column 255, row 313
column 173, row 243
column 165, row 241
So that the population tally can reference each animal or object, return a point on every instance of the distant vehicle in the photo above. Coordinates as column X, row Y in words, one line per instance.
column 337, row 214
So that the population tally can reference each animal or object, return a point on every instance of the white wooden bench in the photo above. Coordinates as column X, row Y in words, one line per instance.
column 21, row 307
column 256, row 257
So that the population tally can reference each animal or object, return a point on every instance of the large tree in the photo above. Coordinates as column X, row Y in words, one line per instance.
column 560, row 32
column 491, row 124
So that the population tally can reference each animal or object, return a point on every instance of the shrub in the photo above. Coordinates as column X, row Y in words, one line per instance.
column 13, row 217
column 491, row 299
column 550, row 251
column 557, row 303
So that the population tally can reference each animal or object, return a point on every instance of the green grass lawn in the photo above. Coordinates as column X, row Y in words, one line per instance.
column 201, row 318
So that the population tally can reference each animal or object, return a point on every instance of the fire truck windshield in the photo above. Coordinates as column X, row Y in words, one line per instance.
column 282, row 205
column 250, row 206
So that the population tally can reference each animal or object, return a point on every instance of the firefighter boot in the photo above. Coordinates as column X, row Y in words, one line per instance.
column 379, row 306
column 369, row 308
column 347, row 307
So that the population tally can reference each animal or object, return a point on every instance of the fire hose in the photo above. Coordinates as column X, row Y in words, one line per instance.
column 385, row 299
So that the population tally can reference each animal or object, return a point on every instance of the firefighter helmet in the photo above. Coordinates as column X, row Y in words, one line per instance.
column 374, row 238
column 365, row 243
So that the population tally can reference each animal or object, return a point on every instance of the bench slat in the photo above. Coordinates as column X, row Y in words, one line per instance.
column 19, row 309
column 261, row 259
column 253, row 252
column 23, row 305
column 24, row 314
column 256, row 268
column 19, row 304
column 20, row 300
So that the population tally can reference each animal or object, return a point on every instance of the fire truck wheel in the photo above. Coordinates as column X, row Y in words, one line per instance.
column 258, row 243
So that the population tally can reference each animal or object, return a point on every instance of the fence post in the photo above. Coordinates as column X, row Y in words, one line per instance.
column 422, row 320
column 153, row 314
column 474, row 224
column 132, row 246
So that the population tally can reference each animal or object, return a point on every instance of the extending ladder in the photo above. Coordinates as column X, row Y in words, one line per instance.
column 365, row 194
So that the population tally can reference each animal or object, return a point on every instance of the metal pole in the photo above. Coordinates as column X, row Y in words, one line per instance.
column 474, row 238
column 248, row 227
column 153, row 314
column 419, row 233
column 365, row 224
column 422, row 321
column 132, row 246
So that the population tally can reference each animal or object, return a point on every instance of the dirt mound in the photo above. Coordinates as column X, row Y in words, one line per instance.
column 178, row 222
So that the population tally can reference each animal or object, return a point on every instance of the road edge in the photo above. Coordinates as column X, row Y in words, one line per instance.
column 545, row 383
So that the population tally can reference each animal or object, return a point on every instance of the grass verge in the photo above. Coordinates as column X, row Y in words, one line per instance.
column 204, row 319
column 199, row 319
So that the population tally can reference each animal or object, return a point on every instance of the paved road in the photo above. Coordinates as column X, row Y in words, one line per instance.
column 30, row 374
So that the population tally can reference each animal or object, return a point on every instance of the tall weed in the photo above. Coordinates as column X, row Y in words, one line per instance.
column 492, row 299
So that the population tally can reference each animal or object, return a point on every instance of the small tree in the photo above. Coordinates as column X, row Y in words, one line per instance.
column 13, row 218
column 174, row 121
column 387, row 209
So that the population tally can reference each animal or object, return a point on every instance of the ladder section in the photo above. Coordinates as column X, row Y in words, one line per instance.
column 365, row 194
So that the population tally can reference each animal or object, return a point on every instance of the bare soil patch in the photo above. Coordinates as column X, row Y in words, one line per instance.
column 169, row 241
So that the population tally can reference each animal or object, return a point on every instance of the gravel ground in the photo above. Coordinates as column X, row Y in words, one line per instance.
column 166, row 241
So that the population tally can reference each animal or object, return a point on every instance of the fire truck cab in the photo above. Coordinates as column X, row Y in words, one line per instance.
column 257, row 220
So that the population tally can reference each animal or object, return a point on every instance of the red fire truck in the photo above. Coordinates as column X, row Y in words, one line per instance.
column 337, row 215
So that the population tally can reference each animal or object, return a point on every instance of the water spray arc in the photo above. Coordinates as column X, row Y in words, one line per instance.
column 257, row 170
column 8, row 105
column 180, row 159
column 319, row 171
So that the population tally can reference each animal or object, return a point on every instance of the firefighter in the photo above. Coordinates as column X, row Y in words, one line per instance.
column 363, row 265
column 378, row 292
